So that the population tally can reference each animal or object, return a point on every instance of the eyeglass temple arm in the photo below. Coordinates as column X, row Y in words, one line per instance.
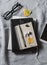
column 16, row 5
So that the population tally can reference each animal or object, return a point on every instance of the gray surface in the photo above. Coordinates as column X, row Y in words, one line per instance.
column 40, row 12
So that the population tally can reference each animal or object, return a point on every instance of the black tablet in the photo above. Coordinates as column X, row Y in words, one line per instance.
column 43, row 36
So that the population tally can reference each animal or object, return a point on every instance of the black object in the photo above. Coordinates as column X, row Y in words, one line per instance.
column 7, row 15
column 15, row 46
column 44, row 34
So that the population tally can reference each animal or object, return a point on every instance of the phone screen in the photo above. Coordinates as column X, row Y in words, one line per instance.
column 44, row 34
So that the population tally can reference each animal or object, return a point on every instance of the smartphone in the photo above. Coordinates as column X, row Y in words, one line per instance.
column 43, row 36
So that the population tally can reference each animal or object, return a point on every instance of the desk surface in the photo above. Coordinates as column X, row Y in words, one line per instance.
column 28, row 59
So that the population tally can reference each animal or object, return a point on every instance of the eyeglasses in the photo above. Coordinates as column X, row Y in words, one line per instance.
column 7, row 15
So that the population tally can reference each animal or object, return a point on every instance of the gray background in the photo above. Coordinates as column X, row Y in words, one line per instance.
column 39, row 9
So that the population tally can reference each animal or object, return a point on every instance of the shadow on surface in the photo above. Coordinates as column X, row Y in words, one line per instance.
column 6, row 46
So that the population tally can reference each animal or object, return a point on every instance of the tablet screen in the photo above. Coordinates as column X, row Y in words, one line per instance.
column 44, row 34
